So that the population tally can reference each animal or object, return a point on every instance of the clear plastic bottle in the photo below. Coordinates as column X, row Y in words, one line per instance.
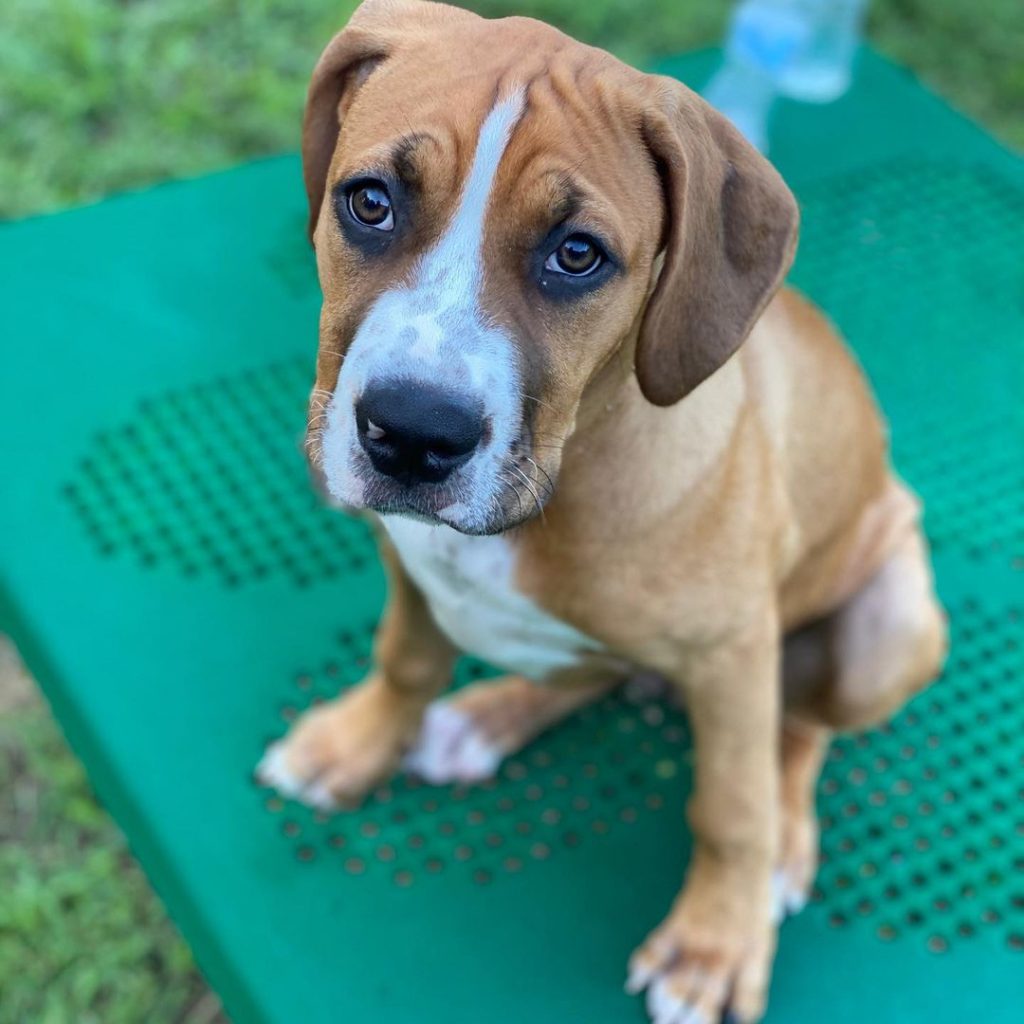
column 801, row 49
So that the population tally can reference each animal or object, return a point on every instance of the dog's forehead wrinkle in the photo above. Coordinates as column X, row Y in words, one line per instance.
column 407, row 153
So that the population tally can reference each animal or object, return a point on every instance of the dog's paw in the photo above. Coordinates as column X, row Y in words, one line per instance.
column 338, row 752
column 466, row 736
column 452, row 747
column 798, row 864
column 695, row 974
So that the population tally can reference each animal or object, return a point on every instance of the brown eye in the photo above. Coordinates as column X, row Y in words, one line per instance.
column 577, row 256
column 370, row 204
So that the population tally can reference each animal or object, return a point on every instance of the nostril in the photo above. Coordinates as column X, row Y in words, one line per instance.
column 453, row 443
column 416, row 432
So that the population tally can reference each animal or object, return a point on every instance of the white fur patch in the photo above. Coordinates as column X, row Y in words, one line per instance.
column 470, row 587
column 788, row 898
column 273, row 771
column 665, row 1007
column 435, row 332
column 451, row 748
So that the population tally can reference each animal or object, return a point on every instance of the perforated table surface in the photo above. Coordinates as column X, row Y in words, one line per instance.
column 178, row 590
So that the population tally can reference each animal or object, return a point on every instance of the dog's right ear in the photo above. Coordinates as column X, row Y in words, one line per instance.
column 731, row 233
column 349, row 59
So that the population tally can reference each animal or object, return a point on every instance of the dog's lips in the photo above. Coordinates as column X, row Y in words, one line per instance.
column 447, row 503
column 422, row 501
column 431, row 504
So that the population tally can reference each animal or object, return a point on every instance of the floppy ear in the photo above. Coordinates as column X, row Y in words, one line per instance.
column 730, row 234
column 349, row 59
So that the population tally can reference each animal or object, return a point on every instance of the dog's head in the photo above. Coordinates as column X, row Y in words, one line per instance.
column 497, row 211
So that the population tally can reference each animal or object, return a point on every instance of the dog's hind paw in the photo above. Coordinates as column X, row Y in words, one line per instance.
column 798, row 864
column 789, row 897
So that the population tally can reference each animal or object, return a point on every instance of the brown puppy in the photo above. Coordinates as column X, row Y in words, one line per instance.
column 539, row 267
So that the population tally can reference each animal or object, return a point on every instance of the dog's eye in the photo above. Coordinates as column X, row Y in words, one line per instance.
column 577, row 256
column 370, row 204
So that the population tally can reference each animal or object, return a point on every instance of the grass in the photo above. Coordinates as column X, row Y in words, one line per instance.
column 82, row 938
column 101, row 95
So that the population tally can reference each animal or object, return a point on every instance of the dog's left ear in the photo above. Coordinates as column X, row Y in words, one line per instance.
column 729, row 238
column 376, row 30
column 349, row 59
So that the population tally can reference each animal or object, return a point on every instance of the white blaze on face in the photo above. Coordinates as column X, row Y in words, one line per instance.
column 434, row 331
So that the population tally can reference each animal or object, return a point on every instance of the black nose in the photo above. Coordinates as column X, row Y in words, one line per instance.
column 416, row 433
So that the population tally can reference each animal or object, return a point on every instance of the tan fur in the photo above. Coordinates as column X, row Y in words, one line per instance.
column 755, row 524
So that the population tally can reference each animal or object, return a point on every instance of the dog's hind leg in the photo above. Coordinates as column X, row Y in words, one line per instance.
column 466, row 736
column 885, row 643
column 802, row 751
column 850, row 670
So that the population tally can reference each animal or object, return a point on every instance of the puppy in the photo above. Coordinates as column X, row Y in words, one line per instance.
column 556, row 364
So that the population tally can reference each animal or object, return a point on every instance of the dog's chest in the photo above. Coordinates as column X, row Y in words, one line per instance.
column 469, row 583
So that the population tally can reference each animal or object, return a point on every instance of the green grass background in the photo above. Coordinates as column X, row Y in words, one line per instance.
column 102, row 95
column 97, row 96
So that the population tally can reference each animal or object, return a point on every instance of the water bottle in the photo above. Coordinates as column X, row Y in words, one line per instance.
column 746, row 95
column 801, row 49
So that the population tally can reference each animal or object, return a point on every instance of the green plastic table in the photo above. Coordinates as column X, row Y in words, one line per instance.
column 179, row 592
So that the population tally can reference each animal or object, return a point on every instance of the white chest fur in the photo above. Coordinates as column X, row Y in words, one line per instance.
column 469, row 583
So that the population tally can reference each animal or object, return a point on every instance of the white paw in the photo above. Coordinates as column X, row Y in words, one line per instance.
column 273, row 771
column 788, row 898
column 452, row 748
column 664, row 1007
column 694, row 975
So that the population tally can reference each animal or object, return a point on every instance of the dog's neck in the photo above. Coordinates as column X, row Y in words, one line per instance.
column 627, row 462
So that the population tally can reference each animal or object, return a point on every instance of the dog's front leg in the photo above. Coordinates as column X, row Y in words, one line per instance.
column 712, row 955
column 337, row 752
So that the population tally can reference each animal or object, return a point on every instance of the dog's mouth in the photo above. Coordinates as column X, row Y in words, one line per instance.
column 477, row 499
column 518, row 490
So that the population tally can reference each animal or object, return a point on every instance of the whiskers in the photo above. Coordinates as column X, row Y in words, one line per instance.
column 539, row 401
column 313, row 446
column 496, row 511
column 537, row 483
column 549, row 484
column 316, row 424
column 538, row 505
column 546, row 441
